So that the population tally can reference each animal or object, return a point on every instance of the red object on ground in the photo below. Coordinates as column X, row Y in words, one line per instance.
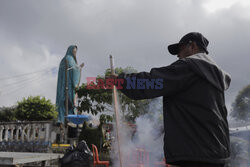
column 162, row 163
column 96, row 158
column 142, row 158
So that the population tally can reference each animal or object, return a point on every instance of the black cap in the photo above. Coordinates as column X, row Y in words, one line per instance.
column 197, row 37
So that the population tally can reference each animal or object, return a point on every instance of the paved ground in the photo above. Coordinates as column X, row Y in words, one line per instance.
column 14, row 158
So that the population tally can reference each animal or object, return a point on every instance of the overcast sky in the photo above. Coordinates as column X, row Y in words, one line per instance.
column 34, row 36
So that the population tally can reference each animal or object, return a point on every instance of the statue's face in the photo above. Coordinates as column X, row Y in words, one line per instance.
column 74, row 51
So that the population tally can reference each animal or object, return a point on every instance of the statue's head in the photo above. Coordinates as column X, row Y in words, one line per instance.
column 72, row 49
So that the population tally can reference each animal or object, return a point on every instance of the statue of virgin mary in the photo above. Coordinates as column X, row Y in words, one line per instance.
column 73, row 81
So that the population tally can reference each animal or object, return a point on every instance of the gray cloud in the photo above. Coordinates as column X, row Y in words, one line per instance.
column 36, row 34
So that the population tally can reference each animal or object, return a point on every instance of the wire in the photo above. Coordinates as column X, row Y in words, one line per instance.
column 20, row 81
column 20, row 87
column 25, row 74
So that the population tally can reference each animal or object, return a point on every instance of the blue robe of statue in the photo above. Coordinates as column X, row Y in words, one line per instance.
column 73, row 82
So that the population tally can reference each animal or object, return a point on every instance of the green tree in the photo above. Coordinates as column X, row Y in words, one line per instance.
column 35, row 109
column 95, row 101
column 105, row 118
column 241, row 105
column 8, row 114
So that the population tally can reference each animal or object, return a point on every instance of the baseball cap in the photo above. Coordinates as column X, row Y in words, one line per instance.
column 197, row 37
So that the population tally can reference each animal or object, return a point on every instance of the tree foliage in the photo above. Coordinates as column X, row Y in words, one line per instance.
column 8, row 114
column 105, row 118
column 241, row 105
column 35, row 109
column 96, row 101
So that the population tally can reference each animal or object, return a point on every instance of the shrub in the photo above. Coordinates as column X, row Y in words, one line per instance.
column 92, row 135
column 8, row 114
column 35, row 109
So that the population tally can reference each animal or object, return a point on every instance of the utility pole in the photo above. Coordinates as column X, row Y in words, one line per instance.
column 66, row 102
column 116, row 110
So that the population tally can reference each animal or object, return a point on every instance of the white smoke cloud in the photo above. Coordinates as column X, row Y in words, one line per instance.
column 147, row 137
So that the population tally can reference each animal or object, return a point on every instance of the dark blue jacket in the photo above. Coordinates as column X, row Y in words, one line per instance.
column 195, row 115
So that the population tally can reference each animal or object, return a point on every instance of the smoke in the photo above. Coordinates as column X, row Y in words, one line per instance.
column 240, row 143
column 240, row 130
column 143, row 141
column 147, row 134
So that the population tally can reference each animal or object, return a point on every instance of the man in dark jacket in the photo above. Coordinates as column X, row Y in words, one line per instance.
column 195, row 115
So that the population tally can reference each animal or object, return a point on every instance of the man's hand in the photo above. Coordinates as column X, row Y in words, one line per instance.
column 81, row 66
column 112, row 76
